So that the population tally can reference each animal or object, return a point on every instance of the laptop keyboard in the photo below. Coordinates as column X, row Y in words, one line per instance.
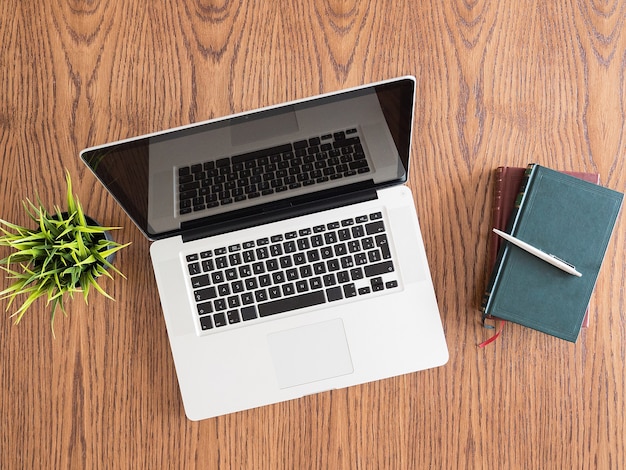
column 309, row 266
column 269, row 171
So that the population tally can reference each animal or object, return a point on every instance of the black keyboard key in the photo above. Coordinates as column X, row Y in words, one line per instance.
column 377, row 284
column 360, row 259
column 357, row 231
column 374, row 256
column 248, row 256
column 200, row 281
column 347, row 262
column 367, row 243
column 205, row 294
column 354, row 246
column 246, row 299
column 334, row 293
column 329, row 280
column 315, row 283
column 383, row 244
column 233, row 301
column 219, row 319
column 332, row 264
column 278, row 277
column 316, row 241
column 245, row 271
column 375, row 227
column 206, row 323
column 349, row 290
column 340, row 249
column 233, row 316
column 248, row 313
column 194, row 268
column 319, row 268
column 204, row 308
column 260, row 295
column 292, row 303
column 378, row 269
column 343, row 234
column 265, row 280
column 356, row 274
column 330, row 237
column 312, row 256
column 288, row 289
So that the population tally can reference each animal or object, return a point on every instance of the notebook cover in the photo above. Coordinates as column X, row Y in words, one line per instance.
column 507, row 184
column 569, row 218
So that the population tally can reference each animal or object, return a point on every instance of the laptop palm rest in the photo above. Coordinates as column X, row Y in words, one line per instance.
column 310, row 353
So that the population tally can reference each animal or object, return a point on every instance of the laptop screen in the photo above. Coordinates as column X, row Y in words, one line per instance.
column 219, row 172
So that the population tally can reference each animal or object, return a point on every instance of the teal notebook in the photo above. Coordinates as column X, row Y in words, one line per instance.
column 568, row 218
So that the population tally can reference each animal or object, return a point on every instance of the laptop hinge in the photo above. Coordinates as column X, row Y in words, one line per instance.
column 279, row 213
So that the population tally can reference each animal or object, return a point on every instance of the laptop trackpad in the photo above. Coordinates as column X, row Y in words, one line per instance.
column 310, row 353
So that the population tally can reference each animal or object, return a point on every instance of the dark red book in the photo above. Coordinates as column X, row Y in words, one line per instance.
column 506, row 188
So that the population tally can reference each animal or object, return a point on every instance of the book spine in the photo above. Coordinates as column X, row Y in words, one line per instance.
column 496, row 213
column 513, row 219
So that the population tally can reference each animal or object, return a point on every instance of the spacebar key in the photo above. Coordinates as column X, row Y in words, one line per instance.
column 291, row 303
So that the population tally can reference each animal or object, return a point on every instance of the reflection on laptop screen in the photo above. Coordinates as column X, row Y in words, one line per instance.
column 260, row 161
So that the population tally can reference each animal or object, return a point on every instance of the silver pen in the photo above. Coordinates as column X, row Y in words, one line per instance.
column 548, row 258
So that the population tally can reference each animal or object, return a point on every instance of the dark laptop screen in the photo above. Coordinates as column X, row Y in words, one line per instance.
column 269, row 160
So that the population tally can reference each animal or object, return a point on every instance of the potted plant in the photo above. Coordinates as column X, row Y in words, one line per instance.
column 63, row 253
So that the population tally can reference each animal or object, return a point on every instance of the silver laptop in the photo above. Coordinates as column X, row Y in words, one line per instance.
column 287, row 250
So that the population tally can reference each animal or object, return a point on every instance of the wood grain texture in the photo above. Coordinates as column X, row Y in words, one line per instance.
column 499, row 83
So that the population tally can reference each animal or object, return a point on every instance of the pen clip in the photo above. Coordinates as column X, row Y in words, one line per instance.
column 561, row 260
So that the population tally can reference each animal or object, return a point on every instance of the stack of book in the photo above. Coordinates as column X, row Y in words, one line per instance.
column 570, row 217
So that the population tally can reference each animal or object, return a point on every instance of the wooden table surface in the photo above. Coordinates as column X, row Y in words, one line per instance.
column 499, row 83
